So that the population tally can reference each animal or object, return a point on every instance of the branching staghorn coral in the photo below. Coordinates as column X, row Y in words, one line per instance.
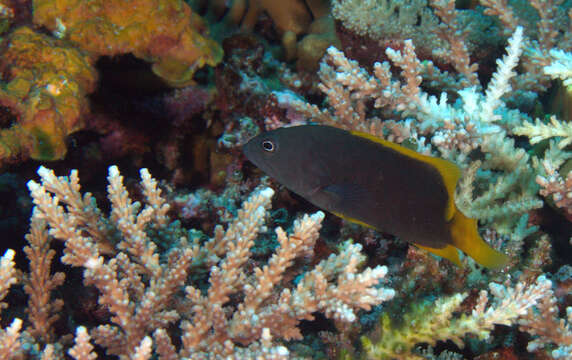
column 439, row 321
column 548, row 29
column 436, row 27
column 477, row 121
column 555, row 186
column 245, row 311
column 544, row 323
column 43, row 311
column 543, row 61
column 560, row 66
column 9, row 343
column 389, row 19
column 348, row 86
column 540, row 131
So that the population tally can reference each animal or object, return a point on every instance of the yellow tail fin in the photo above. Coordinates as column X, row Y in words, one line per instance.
column 467, row 239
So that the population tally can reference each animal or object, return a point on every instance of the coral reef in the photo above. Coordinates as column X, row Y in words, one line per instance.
column 46, row 81
column 218, row 261
column 164, row 32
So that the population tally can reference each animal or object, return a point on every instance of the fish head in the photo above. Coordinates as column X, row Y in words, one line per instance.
column 289, row 155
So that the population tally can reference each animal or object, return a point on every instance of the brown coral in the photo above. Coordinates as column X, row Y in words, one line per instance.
column 288, row 16
column 163, row 32
column 45, row 91
column 292, row 19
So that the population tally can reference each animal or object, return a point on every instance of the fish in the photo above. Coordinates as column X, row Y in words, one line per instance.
column 375, row 183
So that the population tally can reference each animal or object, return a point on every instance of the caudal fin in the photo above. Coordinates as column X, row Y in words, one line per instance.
column 467, row 239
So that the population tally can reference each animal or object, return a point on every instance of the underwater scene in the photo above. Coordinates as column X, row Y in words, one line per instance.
column 285, row 179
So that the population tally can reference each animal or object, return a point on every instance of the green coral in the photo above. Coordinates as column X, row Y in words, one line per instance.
column 429, row 322
column 426, row 322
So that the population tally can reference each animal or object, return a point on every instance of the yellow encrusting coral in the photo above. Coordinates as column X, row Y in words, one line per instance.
column 45, row 91
column 164, row 32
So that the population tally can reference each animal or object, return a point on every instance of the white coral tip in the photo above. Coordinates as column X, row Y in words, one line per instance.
column 267, row 192
column 113, row 171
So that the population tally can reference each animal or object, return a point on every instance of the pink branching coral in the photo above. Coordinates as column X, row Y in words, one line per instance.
column 544, row 323
column 9, row 343
column 245, row 312
column 553, row 184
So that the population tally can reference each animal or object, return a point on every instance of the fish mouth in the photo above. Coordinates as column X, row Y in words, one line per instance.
column 251, row 156
column 247, row 151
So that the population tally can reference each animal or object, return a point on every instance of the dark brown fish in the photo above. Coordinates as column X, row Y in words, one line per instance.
column 375, row 183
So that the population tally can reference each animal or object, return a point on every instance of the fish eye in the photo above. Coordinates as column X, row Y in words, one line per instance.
column 268, row 145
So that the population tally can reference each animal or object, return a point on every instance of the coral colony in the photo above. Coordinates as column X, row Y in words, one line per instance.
column 175, row 246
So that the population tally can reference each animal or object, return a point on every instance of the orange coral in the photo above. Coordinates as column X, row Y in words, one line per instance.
column 163, row 32
column 45, row 91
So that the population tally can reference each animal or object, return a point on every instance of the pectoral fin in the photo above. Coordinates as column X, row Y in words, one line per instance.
column 346, row 197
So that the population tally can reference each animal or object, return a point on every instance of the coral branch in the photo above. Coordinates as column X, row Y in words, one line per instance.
column 82, row 349
column 540, row 131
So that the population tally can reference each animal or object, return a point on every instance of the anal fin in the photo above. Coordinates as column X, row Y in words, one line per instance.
column 449, row 252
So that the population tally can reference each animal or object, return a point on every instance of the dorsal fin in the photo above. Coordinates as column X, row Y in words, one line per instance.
column 450, row 173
